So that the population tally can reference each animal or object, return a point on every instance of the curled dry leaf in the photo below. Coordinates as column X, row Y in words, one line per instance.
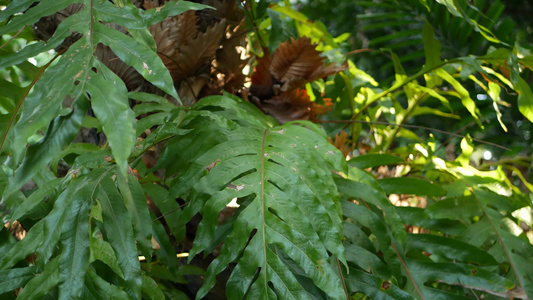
column 297, row 62
column 277, row 81
column 340, row 143
column 182, row 47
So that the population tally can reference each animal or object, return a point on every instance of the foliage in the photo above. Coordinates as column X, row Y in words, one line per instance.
column 406, row 218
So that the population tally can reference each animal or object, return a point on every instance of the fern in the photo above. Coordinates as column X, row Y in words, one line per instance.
column 91, row 77
column 282, row 176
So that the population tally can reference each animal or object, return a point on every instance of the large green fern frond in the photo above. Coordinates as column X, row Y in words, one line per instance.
column 282, row 178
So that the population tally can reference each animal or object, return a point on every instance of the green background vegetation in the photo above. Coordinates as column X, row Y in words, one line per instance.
column 431, row 199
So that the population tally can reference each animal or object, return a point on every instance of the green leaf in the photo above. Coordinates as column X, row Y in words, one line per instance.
column 56, row 218
column 421, row 217
column 135, row 202
column 44, row 8
column 22, row 249
column 15, row 278
column 373, row 286
column 44, row 102
column 167, row 254
column 137, row 55
column 150, row 289
column 60, row 133
column 450, row 248
column 468, row 276
column 35, row 198
column 525, row 98
column 43, row 283
column 457, row 208
column 107, row 289
column 366, row 217
column 431, row 46
column 112, row 110
column 75, row 243
column 286, row 171
column 462, row 93
column 102, row 251
column 15, row 7
column 119, row 233
column 171, row 8
column 374, row 160
column 75, row 23
column 368, row 261
column 404, row 185
column 361, row 188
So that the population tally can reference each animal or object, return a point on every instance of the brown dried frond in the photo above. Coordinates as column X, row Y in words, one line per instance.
column 296, row 63
column 230, row 61
column 196, row 51
column 341, row 143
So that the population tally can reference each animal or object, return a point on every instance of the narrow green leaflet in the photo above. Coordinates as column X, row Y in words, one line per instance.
column 15, row 7
column 133, row 18
column 404, row 185
column 55, row 219
column 112, row 109
column 449, row 248
column 365, row 217
column 525, row 98
column 368, row 261
column 102, row 251
column 44, row 102
column 34, row 199
column 119, row 233
column 74, row 258
column 431, row 46
column 44, row 8
column 75, row 23
column 468, row 276
column 137, row 55
column 135, row 202
column 15, row 278
column 22, row 249
column 462, row 94
column 60, row 133
column 107, row 289
column 361, row 188
column 457, row 208
column 150, row 289
column 43, row 283
column 374, row 160
column 373, row 286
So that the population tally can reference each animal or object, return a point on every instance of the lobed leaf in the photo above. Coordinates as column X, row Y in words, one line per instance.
column 284, row 171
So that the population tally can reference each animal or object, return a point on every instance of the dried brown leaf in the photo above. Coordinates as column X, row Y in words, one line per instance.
column 194, row 54
column 297, row 62
column 340, row 143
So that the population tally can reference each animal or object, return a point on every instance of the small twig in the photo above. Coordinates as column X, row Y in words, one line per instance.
column 407, row 271
column 414, row 126
column 13, row 37
column 189, row 83
column 169, row 212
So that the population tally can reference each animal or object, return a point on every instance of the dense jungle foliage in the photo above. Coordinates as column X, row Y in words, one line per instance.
column 155, row 149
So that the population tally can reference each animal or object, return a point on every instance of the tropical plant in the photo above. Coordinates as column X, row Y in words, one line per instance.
column 127, row 132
